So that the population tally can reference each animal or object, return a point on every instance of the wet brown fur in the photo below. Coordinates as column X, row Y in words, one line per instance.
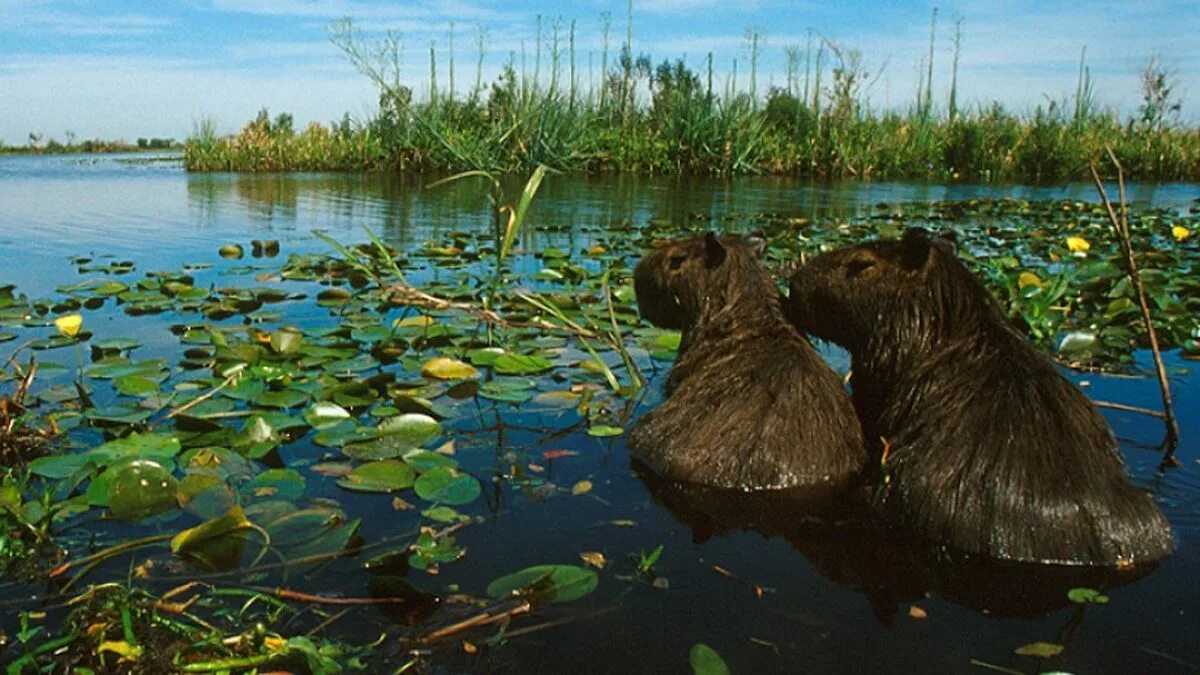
column 750, row 404
column 992, row 450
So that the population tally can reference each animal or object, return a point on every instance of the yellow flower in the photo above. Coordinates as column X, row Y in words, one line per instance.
column 1028, row 279
column 1180, row 232
column 1078, row 244
column 69, row 325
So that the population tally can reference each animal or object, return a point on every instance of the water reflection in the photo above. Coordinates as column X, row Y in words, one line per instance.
column 889, row 567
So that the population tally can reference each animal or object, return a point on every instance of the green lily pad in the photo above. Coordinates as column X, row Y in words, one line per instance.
column 443, row 368
column 445, row 485
column 546, row 583
column 324, row 414
column 385, row 475
column 141, row 488
column 118, row 414
column 605, row 431
column 284, row 398
column 706, row 661
column 521, row 364
column 58, row 467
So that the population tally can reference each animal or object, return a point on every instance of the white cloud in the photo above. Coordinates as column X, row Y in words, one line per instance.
column 34, row 19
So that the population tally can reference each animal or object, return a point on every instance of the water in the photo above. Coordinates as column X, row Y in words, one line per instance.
column 769, row 593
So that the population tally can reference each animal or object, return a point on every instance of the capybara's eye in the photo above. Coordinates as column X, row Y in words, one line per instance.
column 676, row 261
column 857, row 267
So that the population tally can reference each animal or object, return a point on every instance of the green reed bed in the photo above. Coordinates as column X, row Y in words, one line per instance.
column 669, row 118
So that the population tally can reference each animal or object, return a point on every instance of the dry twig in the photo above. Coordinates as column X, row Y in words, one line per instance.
column 1121, row 227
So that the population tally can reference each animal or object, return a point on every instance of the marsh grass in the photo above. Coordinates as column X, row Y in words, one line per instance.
column 668, row 118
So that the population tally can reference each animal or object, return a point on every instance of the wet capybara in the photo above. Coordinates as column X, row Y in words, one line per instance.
column 749, row 403
column 983, row 444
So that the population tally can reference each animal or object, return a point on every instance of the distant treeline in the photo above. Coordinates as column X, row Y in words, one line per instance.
column 35, row 146
column 669, row 118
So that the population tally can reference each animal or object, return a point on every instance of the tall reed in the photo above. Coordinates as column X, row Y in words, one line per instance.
column 822, row 126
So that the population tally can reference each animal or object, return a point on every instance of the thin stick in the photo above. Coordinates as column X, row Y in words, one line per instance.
column 1129, row 408
column 1121, row 226
column 325, row 624
column 299, row 596
column 482, row 619
column 545, row 625
column 203, row 397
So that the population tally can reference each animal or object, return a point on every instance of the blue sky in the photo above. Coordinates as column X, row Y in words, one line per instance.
column 118, row 69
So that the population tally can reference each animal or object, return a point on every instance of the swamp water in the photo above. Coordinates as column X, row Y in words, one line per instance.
column 536, row 476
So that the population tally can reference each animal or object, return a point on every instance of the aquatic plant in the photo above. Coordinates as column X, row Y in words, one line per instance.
column 228, row 480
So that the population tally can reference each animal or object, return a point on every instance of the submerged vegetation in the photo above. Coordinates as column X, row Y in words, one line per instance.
column 215, row 504
column 638, row 117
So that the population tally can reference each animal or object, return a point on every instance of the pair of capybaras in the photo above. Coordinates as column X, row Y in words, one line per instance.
column 957, row 427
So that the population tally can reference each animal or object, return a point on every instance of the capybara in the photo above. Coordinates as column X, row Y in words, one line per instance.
column 749, row 403
column 983, row 444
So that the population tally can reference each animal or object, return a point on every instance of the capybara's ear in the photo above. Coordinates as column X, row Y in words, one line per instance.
column 914, row 248
column 758, row 244
column 714, row 251
column 949, row 239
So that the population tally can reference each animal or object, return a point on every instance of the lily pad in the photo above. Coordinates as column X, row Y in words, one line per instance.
column 385, row 475
column 521, row 364
column 706, row 661
column 141, row 488
column 546, row 583
column 444, row 485
column 443, row 368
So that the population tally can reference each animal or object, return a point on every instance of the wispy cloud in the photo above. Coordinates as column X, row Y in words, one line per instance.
column 39, row 19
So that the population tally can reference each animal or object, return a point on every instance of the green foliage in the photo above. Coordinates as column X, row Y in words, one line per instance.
column 522, row 122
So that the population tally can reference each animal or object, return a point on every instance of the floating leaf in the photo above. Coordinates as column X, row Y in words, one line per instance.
column 594, row 558
column 216, row 542
column 1077, row 341
column 57, row 467
column 118, row 414
column 443, row 514
column 1028, row 279
column 413, row 428
column 324, row 414
column 285, row 484
column 286, row 341
column 424, row 460
column 605, row 430
column 546, row 583
column 135, row 385
column 509, row 391
column 1042, row 650
column 1087, row 596
column 706, row 661
column 285, row 398
column 141, row 488
column 384, row 475
column 443, row 368
column 520, row 364
column 160, row 447
column 581, row 488
column 447, row 486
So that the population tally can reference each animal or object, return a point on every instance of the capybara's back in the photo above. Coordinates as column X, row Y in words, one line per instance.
column 750, row 404
column 984, row 445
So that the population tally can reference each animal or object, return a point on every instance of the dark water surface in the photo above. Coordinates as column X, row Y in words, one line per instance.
column 799, row 596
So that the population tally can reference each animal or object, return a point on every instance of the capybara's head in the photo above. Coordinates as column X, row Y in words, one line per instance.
column 685, row 278
column 913, row 289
